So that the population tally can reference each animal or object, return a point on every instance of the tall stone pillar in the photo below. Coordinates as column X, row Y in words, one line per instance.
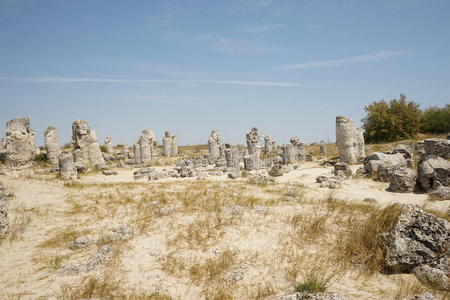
column 349, row 140
column 51, row 144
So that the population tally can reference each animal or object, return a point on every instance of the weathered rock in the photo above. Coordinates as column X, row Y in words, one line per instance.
column 407, row 154
column 321, row 178
column 269, row 145
column 67, row 168
column 185, row 168
column 423, row 296
column 436, row 276
column 109, row 145
column 289, row 154
column 148, row 173
column 298, row 148
column 51, row 144
column 85, row 139
column 232, row 157
column 331, row 183
column 342, row 169
column 214, row 144
column 277, row 170
column 20, row 144
column 440, row 193
column 251, row 162
column 433, row 171
column 260, row 178
column 323, row 149
column 385, row 172
column 233, row 174
column 81, row 242
column 170, row 146
column 253, row 138
column 145, row 144
column 439, row 147
column 137, row 153
column 109, row 172
column 403, row 181
column 4, row 222
column 102, row 256
column 312, row 296
column 349, row 140
column 418, row 238
column 374, row 160
column 78, row 158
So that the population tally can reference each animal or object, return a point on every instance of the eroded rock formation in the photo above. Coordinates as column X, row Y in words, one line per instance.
column 349, row 140
column 85, row 140
column 20, row 144
column 51, row 144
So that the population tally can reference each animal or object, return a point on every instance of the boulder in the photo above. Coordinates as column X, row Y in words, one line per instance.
column 402, row 181
column 439, row 147
column 435, row 275
column 419, row 238
column 67, row 167
column 20, row 145
column 385, row 172
column 277, row 170
column 440, row 193
column 433, row 171
column 385, row 159
column 342, row 169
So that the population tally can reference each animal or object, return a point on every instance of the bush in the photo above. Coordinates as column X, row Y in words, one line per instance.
column 436, row 120
column 385, row 122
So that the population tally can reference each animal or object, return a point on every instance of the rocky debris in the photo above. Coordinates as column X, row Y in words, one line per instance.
column 86, row 147
column 433, row 171
column 370, row 200
column 232, row 210
column 373, row 161
column 67, row 167
column 349, row 140
column 407, row 154
column 321, row 178
column 20, row 145
column 435, row 275
column 233, row 174
column 439, row 147
column 440, row 193
column 148, row 173
column 342, row 170
column 385, row 172
column 402, row 181
column 332, row 183
column 170, row 146
column 120, row 232
column 419, row 238
column 423, row 296
column 51, row 144
column 312, row 296
column 277, row 170
column 260, row 178
column 82, row 242
column 102, row 256
column 236, row 274
column 4, row 223
column 163, row 211
column 184, row 168
column 109, row 172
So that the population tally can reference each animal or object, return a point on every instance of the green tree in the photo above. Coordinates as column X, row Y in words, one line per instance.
column 385, row 122
column 436, row 120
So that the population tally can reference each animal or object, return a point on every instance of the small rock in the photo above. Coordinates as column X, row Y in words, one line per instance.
column 109, row 172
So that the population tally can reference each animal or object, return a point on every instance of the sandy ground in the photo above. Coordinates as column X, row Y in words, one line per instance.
column 257, row 235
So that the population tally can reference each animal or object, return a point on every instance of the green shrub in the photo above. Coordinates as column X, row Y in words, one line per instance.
column 436, row 120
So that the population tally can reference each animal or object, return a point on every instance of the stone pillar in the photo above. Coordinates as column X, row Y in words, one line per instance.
column 323, row 149
column 4, row 222
column 231, row 157
column 298, row 148
column 349, row 140
column 85, row 139
column 289, row 154
column 109, row 146
column 252, row 138
column 145, row 143
column 167, row 144
column 251, row 162
column 214, row 144
column 124, row 150
column 268, row 144
column 174, row 146
column 20, row 144
column 137, row 153
column 68, row 170
column 51, row 144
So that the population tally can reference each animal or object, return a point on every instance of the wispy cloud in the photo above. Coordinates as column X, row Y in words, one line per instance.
column 118, row 80
column 369, row 57
column 260, row 28
column 263, row 3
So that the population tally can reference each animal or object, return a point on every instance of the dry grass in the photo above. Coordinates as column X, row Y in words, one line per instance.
column 18, row 223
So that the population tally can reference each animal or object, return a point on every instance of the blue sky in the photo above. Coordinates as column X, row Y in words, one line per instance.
column 287, row 67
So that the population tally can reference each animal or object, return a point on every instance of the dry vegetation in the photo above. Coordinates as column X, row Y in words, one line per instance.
column 202, row 239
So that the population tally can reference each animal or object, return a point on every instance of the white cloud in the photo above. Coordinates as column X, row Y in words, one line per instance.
column 263, row 3
column 370, row 57
column 260, row 28
column 115, row 80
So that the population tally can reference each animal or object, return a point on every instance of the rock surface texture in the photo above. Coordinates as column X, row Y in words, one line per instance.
column 4, row 223
column 439, row 147
column 420, row 244
column 433, row 172
column 349, row 140
column 20, row 145
column 67, row 167
column 85, row 140
column 51, row 143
